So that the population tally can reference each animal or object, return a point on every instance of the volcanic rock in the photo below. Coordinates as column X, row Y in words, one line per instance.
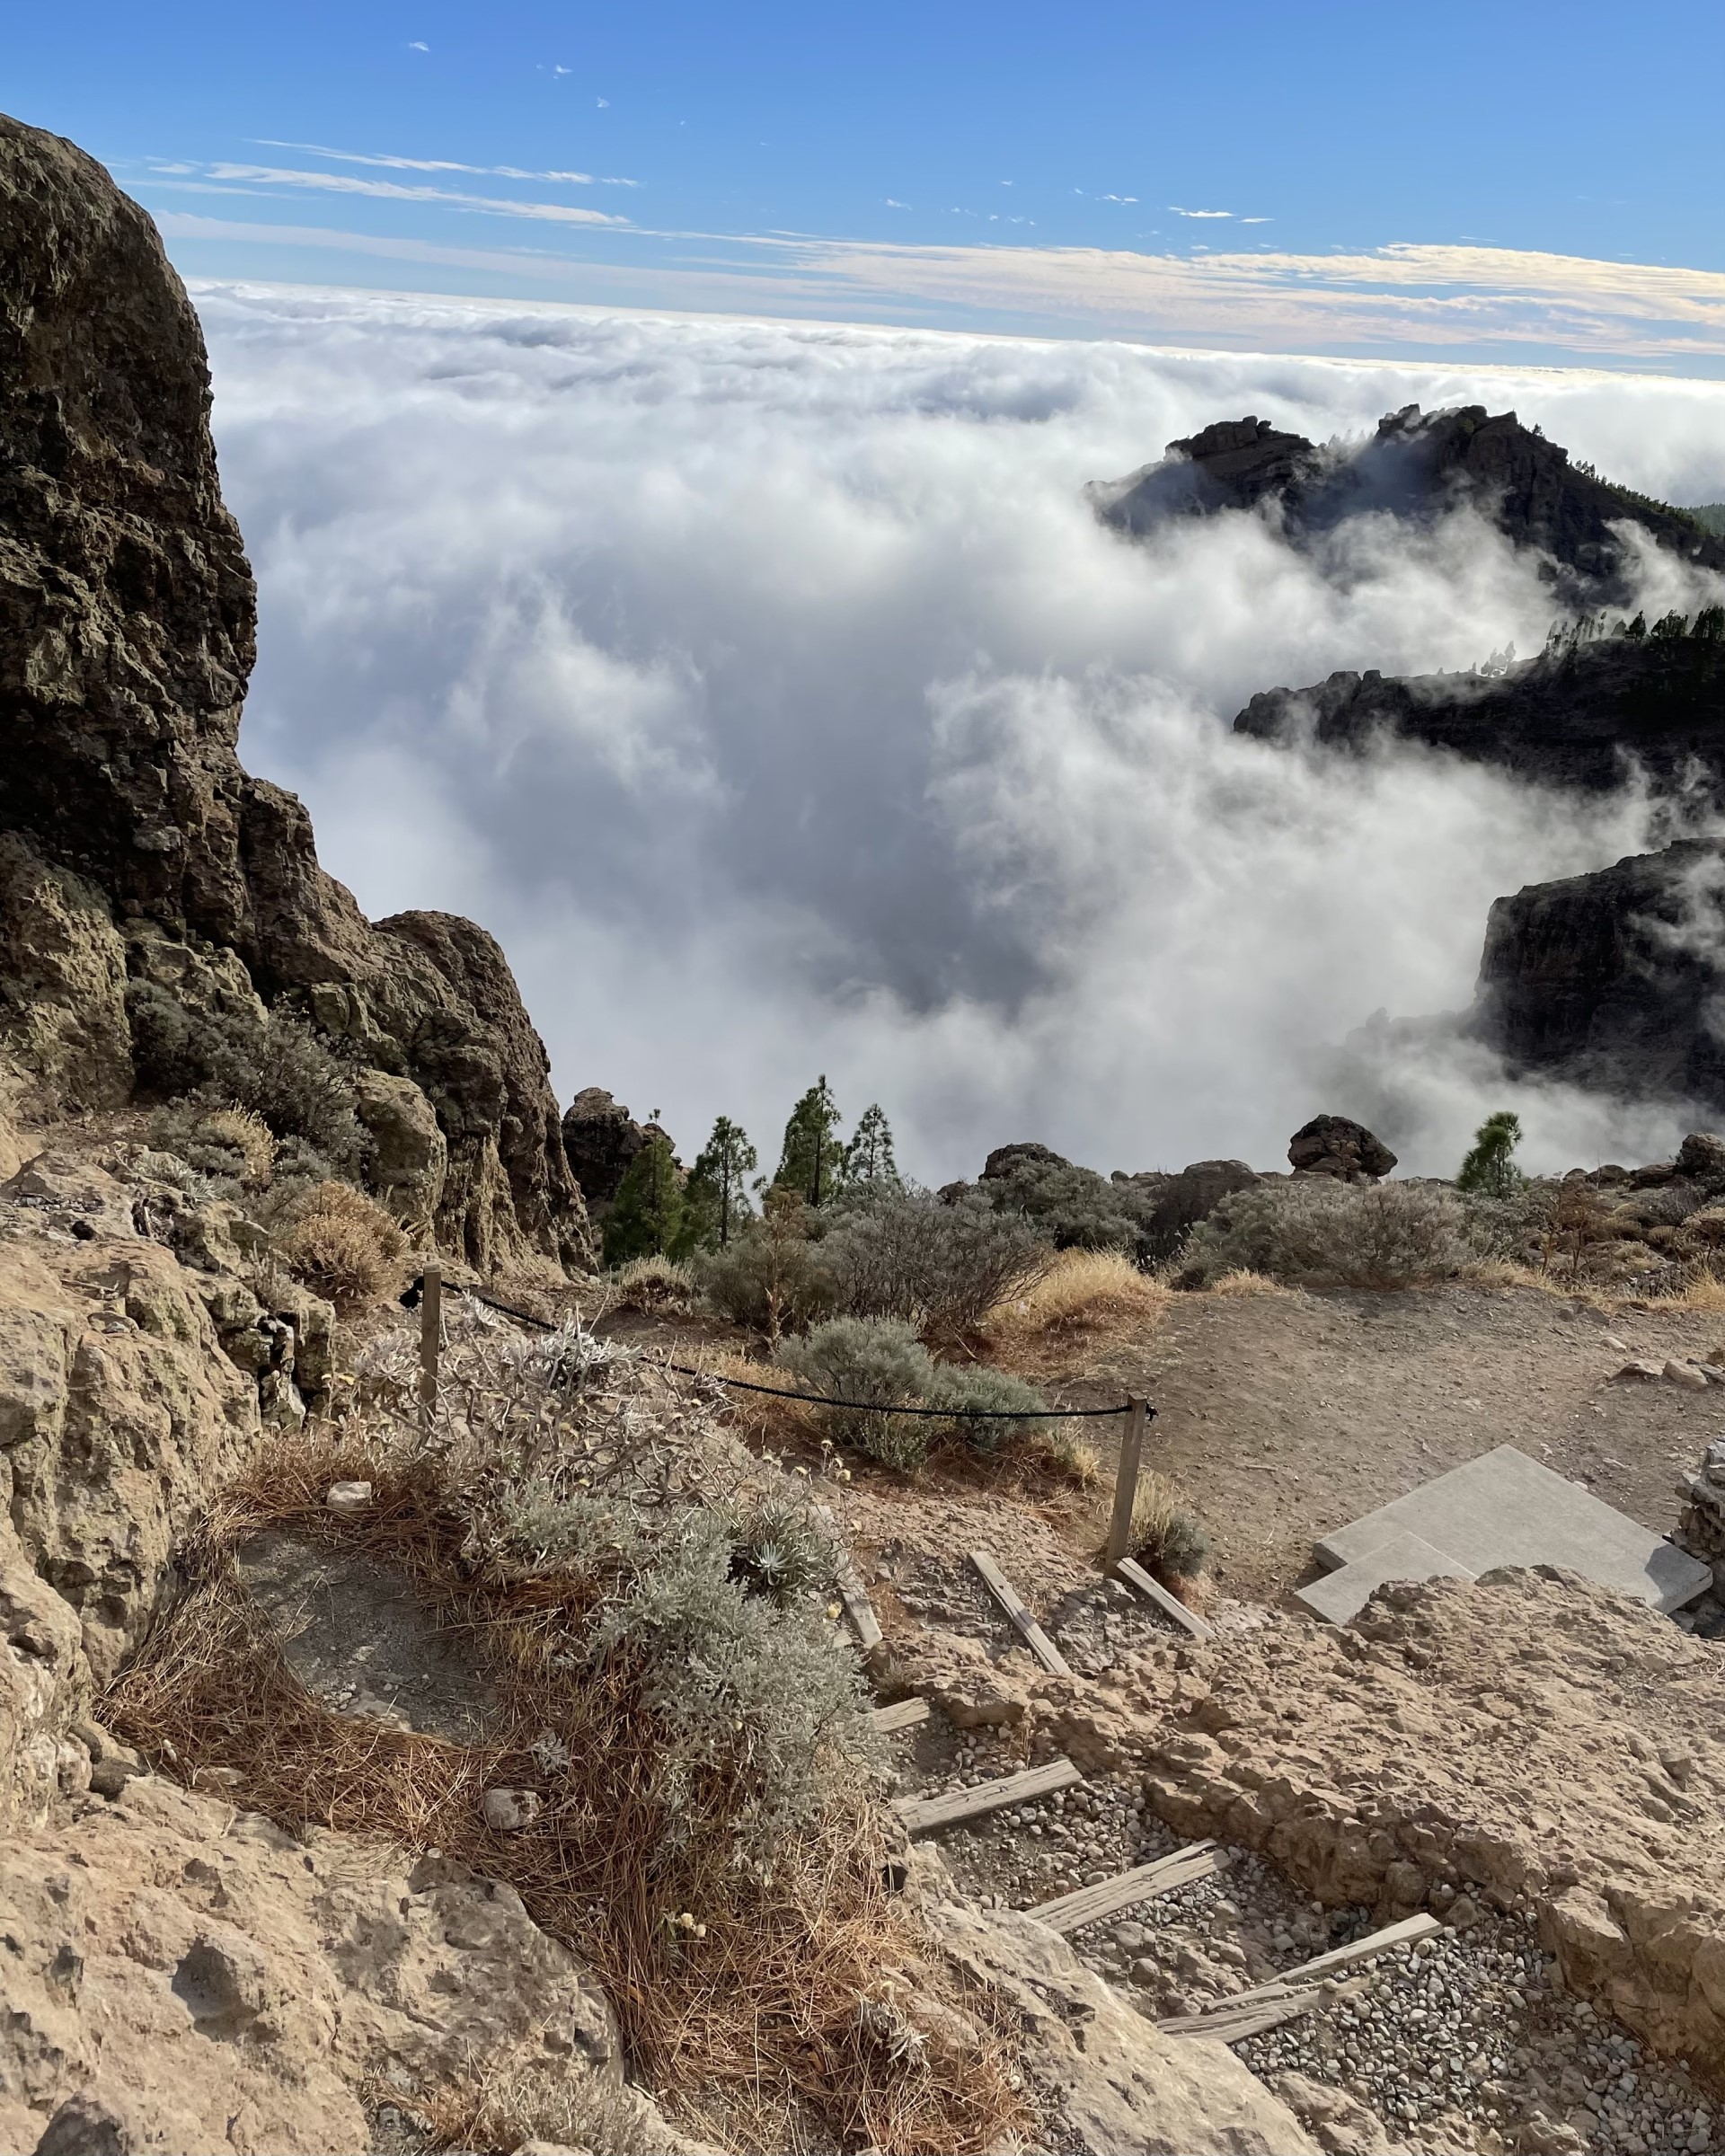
column 1415, row 467
column 1339, row 1146
column 1610, row 980
column 1587, row 717
column 128, row 619
column 600, row 1138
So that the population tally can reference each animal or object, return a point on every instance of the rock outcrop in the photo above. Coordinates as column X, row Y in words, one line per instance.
column 132, row 842
column 600, row 1139
column 1587, row 718
column 1527, row 1741
column 1612, row 980
column 1109, row 2083
column 183, row 1977
column 1338, row 1146
column 1416, row 466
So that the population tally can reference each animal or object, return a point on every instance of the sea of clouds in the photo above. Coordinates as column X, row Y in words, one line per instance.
column 772, row 692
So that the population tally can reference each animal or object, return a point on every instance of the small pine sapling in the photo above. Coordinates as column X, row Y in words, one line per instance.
column 1489, row 1170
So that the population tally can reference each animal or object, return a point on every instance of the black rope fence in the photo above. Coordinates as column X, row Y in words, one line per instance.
column 810, row 1400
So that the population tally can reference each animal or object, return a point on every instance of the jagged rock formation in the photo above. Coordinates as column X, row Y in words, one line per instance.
column 1416, row 466
column 600, row 1138
column 1612, row 980
column 135, row 846
column 1586, row 718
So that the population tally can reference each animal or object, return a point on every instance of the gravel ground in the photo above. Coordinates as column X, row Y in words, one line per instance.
column 1464, row 2040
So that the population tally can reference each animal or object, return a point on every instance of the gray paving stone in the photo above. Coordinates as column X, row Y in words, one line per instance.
column 1342, row 1594
column 1504, row 1509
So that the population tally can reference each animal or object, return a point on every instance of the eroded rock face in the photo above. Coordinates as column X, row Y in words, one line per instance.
column 126, row 635
column 600, row 1138
column 181, row 1978
column 1611, row 980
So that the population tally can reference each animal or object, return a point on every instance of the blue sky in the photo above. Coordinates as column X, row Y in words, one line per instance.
column 1520, row 182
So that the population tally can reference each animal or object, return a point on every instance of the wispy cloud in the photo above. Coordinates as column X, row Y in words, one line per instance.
column 247, row 178
column 1117, row 198
column 418, row 44
column 1466, row 301
column 1178, row 212
column 439, row 164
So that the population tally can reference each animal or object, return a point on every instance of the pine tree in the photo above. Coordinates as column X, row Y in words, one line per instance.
column 868, row 1157
column 1490, row 1169
column 716, row 1200
column 647, row 1220
column 812, row 1161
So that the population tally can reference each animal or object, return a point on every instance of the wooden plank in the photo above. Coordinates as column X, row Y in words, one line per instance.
column 1409, row 1928
column 903, row 1714
column 1230, row 2022
column 858, row 1608
column 1071, row 1911
column 1300, row 1981
column 922, row 1815
column 1125, row 1484
column 1007, row 1595
column 1171, row 1605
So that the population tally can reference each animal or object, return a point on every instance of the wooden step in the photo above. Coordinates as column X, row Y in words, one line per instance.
column 1171, row 1605
column 1071, row 1911
column 858, row 1608
column 1007, row 1595
column 903, row 1714
column 923, row 1814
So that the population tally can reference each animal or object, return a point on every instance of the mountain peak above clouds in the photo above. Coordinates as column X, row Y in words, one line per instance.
column 1416, row 467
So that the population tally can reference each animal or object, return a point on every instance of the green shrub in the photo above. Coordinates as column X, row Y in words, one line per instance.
column 1490, row 1168
column 878, row 1361
column 940, row 1267
column 1167, row 1539
column 281, row 1070
column 654, row 1284
column 977, row 1393
column 772, row 1278
column 1071, row 1208
column 1382, row 1235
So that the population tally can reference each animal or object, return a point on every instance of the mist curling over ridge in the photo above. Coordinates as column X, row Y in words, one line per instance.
column 776, row 695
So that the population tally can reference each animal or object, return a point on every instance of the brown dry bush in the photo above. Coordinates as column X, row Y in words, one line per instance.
column 515, row 1519
column 344, row 1247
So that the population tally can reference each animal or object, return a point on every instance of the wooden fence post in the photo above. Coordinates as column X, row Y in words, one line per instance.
column 1126, row 1486
column 430, row 1339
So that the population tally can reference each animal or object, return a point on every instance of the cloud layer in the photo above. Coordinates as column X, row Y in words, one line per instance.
column 771, row 693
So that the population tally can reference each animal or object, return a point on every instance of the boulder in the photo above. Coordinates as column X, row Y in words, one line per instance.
column 1336, row 1145
column 1005, row 1158
column 1701, row 1159
column 128, row 620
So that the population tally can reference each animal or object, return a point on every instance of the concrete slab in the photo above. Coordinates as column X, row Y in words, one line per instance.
column 1342, row 1594
column 1504, row 1509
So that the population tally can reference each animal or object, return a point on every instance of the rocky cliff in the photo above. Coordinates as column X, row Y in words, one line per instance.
column 133, row 846
column 1588, row 717
column 1416, row 466
column 1612, row 980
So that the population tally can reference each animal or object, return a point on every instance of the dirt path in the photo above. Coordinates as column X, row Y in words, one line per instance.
column 1283, row 1416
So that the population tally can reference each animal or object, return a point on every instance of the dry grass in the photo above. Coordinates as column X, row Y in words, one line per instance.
column 1244, row 1281
column 249, row 1135
column 1504, row 1272
column 502, row 2103
column 344, row 1247
column 1167, row 1539
column 1083, row 1294
column 774, row 2012
column 1702, row 1293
